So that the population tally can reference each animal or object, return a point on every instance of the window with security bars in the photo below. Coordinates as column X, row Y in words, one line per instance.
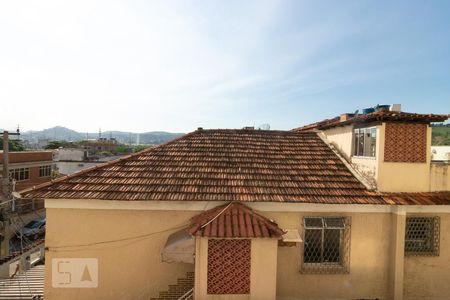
column 422, row 236
column 326, row 246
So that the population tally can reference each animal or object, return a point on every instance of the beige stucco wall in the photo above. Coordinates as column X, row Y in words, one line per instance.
column 391, row 176
column 369, row 261
column 396, row 255
column 403, row 177
column 427, row 277
column 440, row 176
column 263, row 273
column 133, row 270
column 342, row 139
column 127, row 270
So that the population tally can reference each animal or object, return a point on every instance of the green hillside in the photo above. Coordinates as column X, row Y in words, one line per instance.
column 441, row 136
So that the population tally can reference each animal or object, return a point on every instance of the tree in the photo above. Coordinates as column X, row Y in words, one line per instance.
column 141, row 147
column 13, row 145
column 56, row 145
column 122, row 149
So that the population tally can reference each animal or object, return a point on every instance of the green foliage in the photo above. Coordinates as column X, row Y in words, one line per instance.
column 13, row 145
column 105, row 153
column 141, row 147
column 57, row 144
column 122, row 149
column 441, row 136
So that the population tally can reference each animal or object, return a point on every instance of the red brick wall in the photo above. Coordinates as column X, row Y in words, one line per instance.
column 405, row 143
column 28, row 156
column 229, row 266
column 34, row 180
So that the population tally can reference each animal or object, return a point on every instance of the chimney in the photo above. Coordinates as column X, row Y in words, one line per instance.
column 396, row 107
column 344, row 117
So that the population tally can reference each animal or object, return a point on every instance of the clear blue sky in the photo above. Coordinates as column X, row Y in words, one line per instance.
column 177, row 65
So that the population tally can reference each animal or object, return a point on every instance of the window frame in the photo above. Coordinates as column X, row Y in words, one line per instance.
column 23, row 174
column 372, row 148
column 326, row 267
column 433, row 238
column 43, row 170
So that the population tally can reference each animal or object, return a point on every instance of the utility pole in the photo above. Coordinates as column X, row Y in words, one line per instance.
column 5, row 173
column 5, row 197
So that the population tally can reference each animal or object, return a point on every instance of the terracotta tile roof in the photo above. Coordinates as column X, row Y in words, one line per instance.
column 221, row 165
column 430, row 198
column 382, row 116
column 233, row 220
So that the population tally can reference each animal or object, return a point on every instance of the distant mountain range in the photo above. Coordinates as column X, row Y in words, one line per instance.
column 66, row 134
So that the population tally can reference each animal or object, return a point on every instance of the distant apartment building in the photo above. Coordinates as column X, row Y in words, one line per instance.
column 71, row 160
column 99, row 145
column 29, row 168
column 26, row 170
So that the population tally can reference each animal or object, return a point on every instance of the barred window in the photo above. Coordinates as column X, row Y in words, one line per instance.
column 326, row 247
column 45, row 171
column 20, row 174
column 422, row 236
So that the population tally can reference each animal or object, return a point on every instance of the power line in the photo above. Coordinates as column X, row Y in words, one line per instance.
column 50, row 248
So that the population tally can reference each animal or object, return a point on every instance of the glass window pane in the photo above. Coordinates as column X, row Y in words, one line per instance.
column 361, row 143
column 314, row 222
column 334, row 222
column 356, row 142
column 367, row 142
column 313, row 246
column 373, row 141
column 332, row 245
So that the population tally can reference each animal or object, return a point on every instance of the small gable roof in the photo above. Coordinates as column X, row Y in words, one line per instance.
column 233, row 220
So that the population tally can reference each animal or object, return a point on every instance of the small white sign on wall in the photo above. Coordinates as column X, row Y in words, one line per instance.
column 74, row 272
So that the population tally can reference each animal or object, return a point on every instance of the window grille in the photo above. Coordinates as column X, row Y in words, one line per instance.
column 326, row 246
column 422, row 236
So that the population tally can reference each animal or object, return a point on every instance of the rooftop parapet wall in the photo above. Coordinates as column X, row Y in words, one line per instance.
column 440, row 176
column 28, row 156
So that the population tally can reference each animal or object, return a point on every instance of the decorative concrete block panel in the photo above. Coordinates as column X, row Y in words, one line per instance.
column 405, row 143
column 229, row 266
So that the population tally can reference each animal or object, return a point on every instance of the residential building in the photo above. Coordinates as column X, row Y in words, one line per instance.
column 26, row 169
column 72, row 160
column 351, row 208
column 99, row 145
column 391, row 150
column 29, row 168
